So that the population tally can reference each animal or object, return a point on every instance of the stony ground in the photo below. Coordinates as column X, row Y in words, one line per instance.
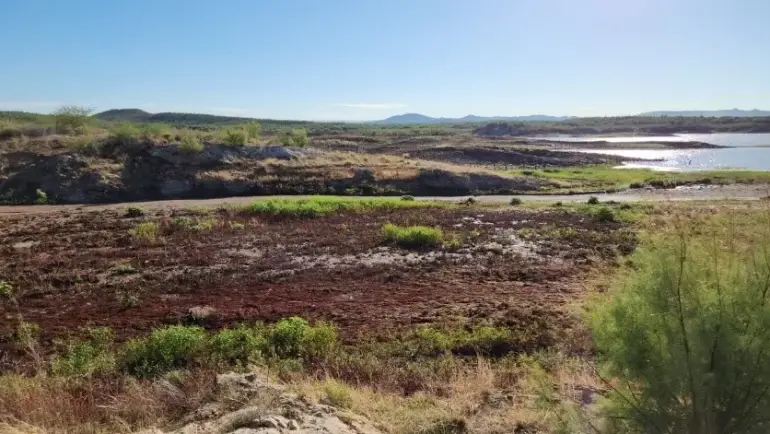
column 510, row 267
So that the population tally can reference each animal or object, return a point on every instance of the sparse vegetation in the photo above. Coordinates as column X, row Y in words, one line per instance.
column 235, row 137
column 193, row 224
column 412, row 236
column 515, row 201
column 71, row 119
column 593, row 200
column 190, row 143
column 407, row 198
column 324, row 205
column 145, row 232
column 123, row 270
column 296, row 137
column 134, row 212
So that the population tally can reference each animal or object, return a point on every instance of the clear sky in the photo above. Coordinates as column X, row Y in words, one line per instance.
column 369, row 59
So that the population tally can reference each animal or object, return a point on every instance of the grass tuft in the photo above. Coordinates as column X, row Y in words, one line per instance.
column 412, row 236
column 325, row 205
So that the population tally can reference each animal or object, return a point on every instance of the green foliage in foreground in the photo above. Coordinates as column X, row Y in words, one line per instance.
column 687, row 339
column 324, row 205
column 175, row 347
column 412, row 236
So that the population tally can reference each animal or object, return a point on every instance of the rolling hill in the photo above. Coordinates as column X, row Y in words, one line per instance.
column 417, row 118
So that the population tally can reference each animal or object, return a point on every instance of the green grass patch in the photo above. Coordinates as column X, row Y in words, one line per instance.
column 412, row 236
column 605, row 177
column 326, row 205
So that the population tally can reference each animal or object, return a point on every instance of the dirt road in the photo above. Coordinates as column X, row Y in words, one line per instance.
column 701, row 192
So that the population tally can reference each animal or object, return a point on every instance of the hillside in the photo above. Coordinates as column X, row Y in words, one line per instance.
column 737, row 113
column 418, row 118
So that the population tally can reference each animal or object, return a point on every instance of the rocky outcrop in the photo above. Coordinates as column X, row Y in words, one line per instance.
column 269, row 410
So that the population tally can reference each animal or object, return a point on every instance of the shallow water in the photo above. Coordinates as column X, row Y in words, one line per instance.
column 748, row 151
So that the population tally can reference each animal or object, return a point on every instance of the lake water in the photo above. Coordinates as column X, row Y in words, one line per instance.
column 748, row 151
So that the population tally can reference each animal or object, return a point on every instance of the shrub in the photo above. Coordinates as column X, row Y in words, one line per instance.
column 338, row 394
column 296, row 137
column 6, row 290
column 41, row 198
column 127, row 299
column 319, row 341
column 146, row 232
column 134, row 211
column 407, row 198
column 71, row 119
column 412, row 236
column 686, row 338
column 253, row 130
column 558, row 204
column 237, row 346
column 191, row 144
column 165, row 349
column 605, row 215
column 234, row 137
column 153, row 131
column 193, row 224
column 324, row 205
column 593, row 200
column 85, row 358
column 515, row 201
column 124, row 135
column 123, row 270
column 295, row 337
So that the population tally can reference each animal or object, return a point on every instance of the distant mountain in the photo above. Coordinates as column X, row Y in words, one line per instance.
column 712, row 113
column 141, row 116
column 417, row 118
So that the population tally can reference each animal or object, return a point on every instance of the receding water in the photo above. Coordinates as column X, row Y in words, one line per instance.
column 747, row 151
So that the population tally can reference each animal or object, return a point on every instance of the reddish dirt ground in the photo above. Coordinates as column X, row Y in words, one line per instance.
column 514, row 268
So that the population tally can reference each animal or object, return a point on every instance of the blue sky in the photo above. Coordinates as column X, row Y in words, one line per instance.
column 368, row 59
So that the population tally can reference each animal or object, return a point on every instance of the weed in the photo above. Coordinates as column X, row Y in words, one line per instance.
column 6, row 290
column 235, row 137
column 338, row 394
column 412, row 236
column 145, row 232
column 71, row 119
column 453, row 242
column 165, row 349
column 41, row 198
column 605, row 215
column 193, row 224
column 127, row 299
column 515, row 201
column 593, row 200
column 123, row 270
column 85, row 358
column 191, row 144
column 134, row 211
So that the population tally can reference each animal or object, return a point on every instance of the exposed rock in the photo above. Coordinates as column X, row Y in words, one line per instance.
column 270, row 410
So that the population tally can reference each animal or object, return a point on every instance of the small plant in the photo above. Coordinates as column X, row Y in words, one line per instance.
column 605, row 215
column 296, row 137
column 71, row 119
column 295, row 337
column 236, row 226
column 593, row 200
column 125, row 135
column 123, row 270
column 41, row 198
column 469, row 201
column 127, row 299
column 193, row 224
column 6, row 290
column 235, row 137
column 86, row 358
column 253, row 130
column 412, row 236
column 515, row 201
column 407, row 198
column 191, row 144
column 146, row 232
column 134, row 212
column 453, row 242
column 338, row 394
column 558, row 204
column 166, row 349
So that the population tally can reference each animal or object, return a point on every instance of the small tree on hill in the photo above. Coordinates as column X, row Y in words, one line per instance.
column 71, row 119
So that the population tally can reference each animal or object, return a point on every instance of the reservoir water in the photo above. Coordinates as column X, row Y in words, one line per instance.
column 747, row 151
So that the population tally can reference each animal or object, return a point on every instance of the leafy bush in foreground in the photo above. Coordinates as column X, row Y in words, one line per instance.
column 687, row 339
column 165, row 349
column 412, row 236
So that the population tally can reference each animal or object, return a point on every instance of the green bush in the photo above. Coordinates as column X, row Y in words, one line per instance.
column 325, row 205
column 89, row 357
column 605, row 215
column 515, row 201
column 338, row 394
column 134, row 211
column 593, row 200
column 193, row 224
column 71, row 119
column 412, row 236
column 6, row 290
column 153, row 131
column 145, row 232
column 296, row 137
column 407, row 198
column 165, row 349
column 235, row 137
column 294, row 337
column 41, row 198
column 237, row 346
column 685, row 340
column 253, row 130
column 191, row 144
